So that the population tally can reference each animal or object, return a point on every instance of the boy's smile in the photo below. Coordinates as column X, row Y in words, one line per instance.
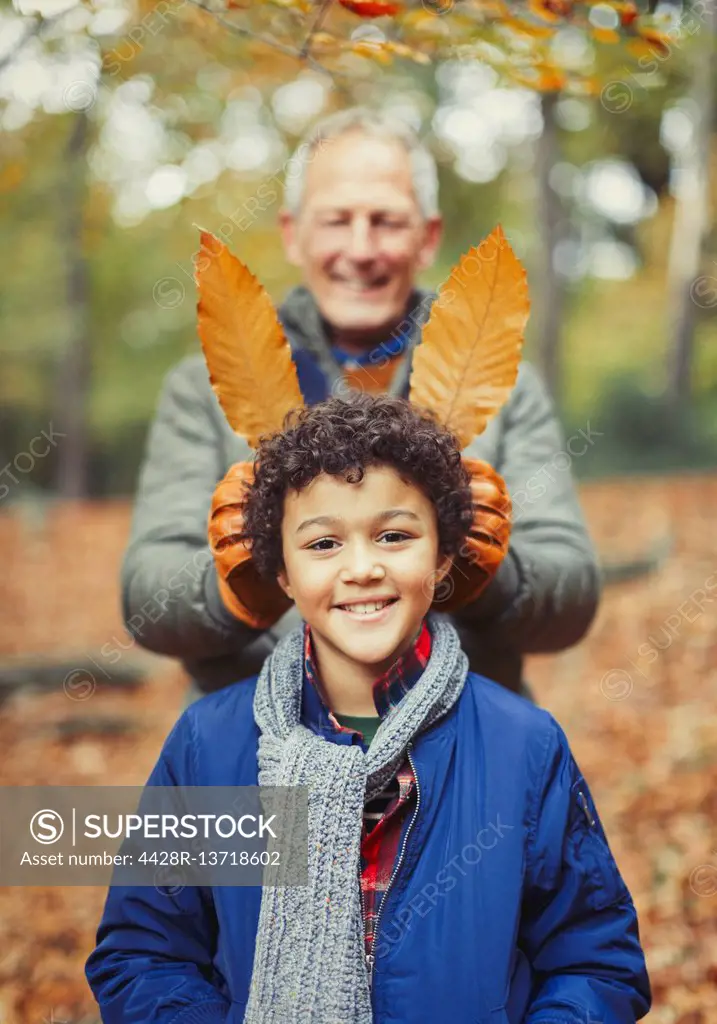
column 361, row 561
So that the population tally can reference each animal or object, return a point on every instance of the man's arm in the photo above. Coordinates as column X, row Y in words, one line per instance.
column 578, row 925
column 170, row 595
column 545, row 593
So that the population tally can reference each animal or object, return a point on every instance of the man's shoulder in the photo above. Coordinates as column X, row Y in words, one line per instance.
column 190, row 371
column 529, row 382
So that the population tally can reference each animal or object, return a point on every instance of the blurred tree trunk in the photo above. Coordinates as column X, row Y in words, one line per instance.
column 73, row 370
column 549, row 295
column 692, row 216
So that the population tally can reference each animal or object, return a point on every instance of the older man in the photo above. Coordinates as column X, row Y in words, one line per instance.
column 361, row 220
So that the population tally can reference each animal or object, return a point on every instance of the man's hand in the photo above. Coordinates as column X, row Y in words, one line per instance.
column 486, row 545
column 255, row 601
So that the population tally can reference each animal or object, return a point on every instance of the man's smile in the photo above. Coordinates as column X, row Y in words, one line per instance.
column 360, row 286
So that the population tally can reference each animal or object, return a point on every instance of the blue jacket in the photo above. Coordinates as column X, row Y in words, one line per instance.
column 508, row 907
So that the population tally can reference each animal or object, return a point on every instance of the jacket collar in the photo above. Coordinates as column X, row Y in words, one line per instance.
column 388, row 689
column 308, row 332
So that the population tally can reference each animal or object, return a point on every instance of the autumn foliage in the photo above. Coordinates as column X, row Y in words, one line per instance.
column 371, row 8
column 516, row 39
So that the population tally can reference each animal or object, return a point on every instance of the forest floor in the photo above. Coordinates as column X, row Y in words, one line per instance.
column 637, row 700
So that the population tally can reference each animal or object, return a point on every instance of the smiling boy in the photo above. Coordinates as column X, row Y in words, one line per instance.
column 458, row 870
column 365, row 612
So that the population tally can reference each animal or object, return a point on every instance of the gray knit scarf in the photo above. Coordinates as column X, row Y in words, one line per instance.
column 309, row 963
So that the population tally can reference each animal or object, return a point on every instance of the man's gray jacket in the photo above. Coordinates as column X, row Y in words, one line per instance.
column 543, row 597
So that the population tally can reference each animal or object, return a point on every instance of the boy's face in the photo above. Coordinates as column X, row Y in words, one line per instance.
column 374, row 541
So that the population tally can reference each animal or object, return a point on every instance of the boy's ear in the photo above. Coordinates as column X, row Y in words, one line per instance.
column 283, row 582
column 444, row 567
column 444, row 564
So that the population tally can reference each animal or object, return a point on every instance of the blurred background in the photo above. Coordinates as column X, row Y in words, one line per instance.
column 589, row 132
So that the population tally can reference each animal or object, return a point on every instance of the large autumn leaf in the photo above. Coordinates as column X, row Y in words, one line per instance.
column 247, row 354
column 467, row 362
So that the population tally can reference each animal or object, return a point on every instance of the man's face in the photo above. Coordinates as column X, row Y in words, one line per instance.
column 360, row 237
column 348, row 547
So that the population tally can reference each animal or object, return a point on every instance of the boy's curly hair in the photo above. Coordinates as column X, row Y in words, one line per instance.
column 343, row 437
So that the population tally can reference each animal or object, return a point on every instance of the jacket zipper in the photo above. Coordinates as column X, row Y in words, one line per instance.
column 370, row 958
column 582, row 800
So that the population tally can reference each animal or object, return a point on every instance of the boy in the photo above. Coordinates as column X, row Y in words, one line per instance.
column 457, row 867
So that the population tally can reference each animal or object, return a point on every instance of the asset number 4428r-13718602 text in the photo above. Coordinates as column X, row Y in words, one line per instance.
column 211, row 858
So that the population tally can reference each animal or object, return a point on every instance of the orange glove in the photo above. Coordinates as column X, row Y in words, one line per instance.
column 485, row 546
column 256, row 601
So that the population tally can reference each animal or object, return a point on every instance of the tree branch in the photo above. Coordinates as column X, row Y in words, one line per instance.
column 269, row 41
column 315, row 26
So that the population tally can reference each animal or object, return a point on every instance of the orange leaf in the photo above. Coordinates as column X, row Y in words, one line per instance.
column 467, row 362
column 658, row 43
column 551, row 10
column 247, row 354
column 324, row 42
column 605, row 35
column 371, row 8
column 401, row 50
column 542, row 77
column 551, row 81
column 368, row 48
column 526, row 28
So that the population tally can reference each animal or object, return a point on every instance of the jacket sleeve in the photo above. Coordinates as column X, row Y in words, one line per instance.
column 170, row 594
column 545, row 593
column 153, row 960
column 579, row 926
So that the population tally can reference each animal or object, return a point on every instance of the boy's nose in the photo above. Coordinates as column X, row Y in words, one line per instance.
column 362, row 569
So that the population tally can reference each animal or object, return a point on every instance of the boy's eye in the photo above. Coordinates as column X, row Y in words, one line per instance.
column 321, row 545
column 328, row 543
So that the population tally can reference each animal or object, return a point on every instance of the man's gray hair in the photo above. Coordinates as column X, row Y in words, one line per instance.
column 377, row 125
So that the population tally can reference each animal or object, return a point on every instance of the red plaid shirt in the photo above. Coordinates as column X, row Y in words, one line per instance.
column 385, row 814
